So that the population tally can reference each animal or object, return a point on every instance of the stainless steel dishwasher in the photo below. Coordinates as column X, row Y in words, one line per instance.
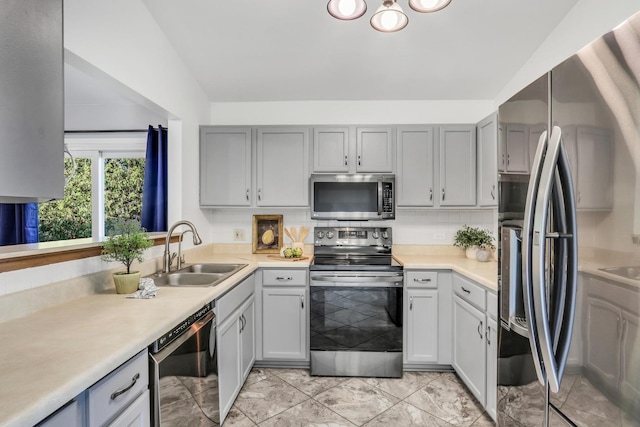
column 183, row 373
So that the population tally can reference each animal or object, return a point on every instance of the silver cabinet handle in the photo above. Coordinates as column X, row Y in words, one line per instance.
column 488, row 335
column 302, row 301
column 465, row 290
column 410, row 303
column 259, row 194
column 284, row 278
column 247, row 195
column 508, row 159
column 493, row 189
column 480, row 329
column 127, row 388
column 443, row 194
column 421, row 280
column 346, row 161
column 430, row 194
column 359, row 160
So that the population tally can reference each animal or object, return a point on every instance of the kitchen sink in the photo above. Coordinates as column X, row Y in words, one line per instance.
column 201, row 275
column 627, row 272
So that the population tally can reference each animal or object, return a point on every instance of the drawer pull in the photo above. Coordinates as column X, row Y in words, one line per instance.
column 284, row 278
column 127, row 388
column 467, row 291
column 421, row 280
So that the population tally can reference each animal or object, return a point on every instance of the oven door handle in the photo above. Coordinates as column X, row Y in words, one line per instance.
column 370, row 281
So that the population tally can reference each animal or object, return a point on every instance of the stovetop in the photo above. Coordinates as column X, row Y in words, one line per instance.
column 353, row 248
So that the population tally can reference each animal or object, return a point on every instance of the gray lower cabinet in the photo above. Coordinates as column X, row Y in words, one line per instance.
column 225, row 166
column 70, row 415
column 487, row 140
column 457, row 164
column 475, row 339
column 284, row 315
column 415, row 161
column 427, row 319
column 235, row 341
column 282, row 166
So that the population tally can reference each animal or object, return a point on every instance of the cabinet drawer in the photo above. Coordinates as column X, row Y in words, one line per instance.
column 492, row 305
column 232, row 299
column 112, row 394
column 469, row 291
column 422, row 279
column 297, row 277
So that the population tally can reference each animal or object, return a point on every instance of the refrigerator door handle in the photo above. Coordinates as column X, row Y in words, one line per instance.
column 527, row 235
column 555, row 187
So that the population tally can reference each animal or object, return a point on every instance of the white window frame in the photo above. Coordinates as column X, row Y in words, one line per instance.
column 98, row 148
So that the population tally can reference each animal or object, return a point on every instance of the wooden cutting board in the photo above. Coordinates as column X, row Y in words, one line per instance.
column 281, row 258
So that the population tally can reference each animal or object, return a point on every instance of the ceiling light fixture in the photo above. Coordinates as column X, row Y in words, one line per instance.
column 389, row 17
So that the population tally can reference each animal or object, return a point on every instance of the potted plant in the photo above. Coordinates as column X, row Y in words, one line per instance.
column 126, row 245
column 472, row 239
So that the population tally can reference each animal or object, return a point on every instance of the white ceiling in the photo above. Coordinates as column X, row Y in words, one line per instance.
column 293, row 50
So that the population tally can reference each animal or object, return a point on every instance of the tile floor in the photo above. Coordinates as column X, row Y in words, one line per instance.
column 291, row 397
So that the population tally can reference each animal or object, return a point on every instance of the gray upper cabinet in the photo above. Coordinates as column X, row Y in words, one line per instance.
column 517, row 148
column 415, row 157
column 225, row 166
column 31, row 112
column 331, row 149
column 487, row 134
column 374, row 149
column 283, row 166
column 457, row 165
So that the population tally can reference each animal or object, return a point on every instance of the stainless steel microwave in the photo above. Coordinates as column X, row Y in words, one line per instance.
column 355, row 197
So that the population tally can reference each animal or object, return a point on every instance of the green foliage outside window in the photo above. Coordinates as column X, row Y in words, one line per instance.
column 70, row 218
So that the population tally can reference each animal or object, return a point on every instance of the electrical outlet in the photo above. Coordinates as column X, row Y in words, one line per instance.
column 238, row 235
column 439, row 236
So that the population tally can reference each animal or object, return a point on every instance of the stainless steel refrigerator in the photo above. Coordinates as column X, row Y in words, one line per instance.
column 569, row 209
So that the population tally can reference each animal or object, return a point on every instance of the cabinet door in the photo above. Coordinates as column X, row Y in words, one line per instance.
column 457, row 166
column 225, row 166
column 594, row 190
column 492, row 367
column 422, row 327
column 630, row 381
column 469, row 348
column 534, row 139
column 487, row 134
column 374, row 150
column 517, row 147
column 603, row 346
column 137, row 414
column 228, row 346
column 331, row 149
column 283, row 167
column 415, row 167
column 284, row 323
column 247, row 338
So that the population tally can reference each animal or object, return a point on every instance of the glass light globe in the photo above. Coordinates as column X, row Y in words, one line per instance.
column 389, row 17
column 426, row 6
column 346, row 9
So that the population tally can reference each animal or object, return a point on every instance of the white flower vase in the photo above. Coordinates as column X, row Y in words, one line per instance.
column 471, row 252
column 483, row 255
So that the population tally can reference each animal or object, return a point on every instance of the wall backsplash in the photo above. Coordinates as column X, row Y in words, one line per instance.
column 411, row 227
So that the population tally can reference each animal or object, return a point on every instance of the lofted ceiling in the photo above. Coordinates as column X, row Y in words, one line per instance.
column 293, row 50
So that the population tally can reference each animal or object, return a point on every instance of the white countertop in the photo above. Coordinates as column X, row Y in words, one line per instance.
column 50, row 356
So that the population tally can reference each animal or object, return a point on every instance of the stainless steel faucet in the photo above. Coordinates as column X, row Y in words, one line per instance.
column 168, row 257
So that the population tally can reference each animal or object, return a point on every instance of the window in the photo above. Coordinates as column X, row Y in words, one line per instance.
column 106, row 187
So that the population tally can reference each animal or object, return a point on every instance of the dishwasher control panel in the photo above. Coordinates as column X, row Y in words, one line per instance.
column 179, row 329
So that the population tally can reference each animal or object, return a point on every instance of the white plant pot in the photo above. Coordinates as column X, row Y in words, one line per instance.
column 471, row 252
column 483, row 255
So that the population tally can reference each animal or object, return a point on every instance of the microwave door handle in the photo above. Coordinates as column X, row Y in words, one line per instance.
column 380, row 197
column 527, row 234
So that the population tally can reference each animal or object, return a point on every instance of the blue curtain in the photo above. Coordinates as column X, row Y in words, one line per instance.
column 18, row 223
column 154, row 187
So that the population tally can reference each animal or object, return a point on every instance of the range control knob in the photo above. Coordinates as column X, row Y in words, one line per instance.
column 320, row 234
column 375, row 235
column 385, row 235
column 330, row 234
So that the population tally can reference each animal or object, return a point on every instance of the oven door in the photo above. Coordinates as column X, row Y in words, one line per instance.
column 356, row 323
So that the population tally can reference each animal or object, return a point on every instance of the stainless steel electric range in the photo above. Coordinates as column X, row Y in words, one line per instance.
column 356, row 303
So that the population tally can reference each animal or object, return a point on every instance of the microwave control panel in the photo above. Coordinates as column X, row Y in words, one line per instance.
column 387, row 197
